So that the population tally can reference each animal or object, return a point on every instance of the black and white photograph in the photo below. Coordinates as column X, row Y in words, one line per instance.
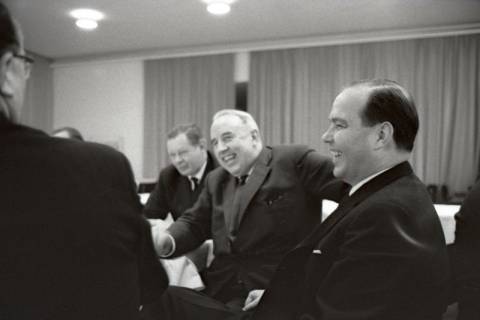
column 240, row 159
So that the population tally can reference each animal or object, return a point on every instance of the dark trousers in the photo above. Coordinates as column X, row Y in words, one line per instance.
column 469, row 303
column 179, row 303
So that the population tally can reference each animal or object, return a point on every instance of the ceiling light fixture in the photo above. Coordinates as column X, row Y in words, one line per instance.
column 218, row 7
column 87, row 19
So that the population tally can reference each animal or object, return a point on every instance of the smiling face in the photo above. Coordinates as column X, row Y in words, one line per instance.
column 350, row 142
column 235, row 144
column 187, row 158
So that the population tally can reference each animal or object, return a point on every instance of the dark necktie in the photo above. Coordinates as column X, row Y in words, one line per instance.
column 194, row 183
column 235, row 220
column 242, row 180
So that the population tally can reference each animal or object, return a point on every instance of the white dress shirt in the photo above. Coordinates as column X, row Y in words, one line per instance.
column 361, row 183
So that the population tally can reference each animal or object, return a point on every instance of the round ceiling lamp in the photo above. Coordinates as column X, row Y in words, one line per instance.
column 87, row 19
column 218, row 7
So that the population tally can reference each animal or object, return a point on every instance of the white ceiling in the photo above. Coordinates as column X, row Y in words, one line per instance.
column 174, row 26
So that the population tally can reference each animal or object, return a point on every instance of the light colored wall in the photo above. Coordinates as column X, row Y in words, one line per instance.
column 105, row 102
column 37, row 109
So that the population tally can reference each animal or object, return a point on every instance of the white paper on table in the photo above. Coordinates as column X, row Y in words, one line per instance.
column 446, row 213
column 181, row 271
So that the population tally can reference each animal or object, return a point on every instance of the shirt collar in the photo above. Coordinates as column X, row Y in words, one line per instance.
column 361, row 183
column 250, row 171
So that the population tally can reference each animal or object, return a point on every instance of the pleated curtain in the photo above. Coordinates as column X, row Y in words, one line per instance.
column 291, row 92
column 182, row 90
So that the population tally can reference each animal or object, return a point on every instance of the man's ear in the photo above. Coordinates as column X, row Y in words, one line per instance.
column 384, row 134
column 255, row 135
column 6, row 87
column 202, row 143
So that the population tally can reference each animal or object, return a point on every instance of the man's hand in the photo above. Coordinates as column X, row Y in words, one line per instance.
column 253, row 299
column 162, row 242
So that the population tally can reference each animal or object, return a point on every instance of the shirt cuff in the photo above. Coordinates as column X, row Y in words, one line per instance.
column 171, row 251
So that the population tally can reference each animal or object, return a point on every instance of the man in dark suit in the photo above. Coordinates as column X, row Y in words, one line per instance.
column 180, row 183
column 256, row 207
column 382, row 253
column 465, row 257
column 73, row 242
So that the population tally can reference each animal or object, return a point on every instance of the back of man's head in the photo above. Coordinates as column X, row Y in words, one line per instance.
column 388, row 101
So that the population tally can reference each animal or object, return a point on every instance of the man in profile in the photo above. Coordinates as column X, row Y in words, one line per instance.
column 73, row 242
column 382, row 254
column 180, row 183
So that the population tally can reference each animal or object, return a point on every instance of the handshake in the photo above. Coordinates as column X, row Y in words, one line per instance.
column 163, row 242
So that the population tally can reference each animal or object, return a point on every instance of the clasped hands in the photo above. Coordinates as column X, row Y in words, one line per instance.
column 163, row 243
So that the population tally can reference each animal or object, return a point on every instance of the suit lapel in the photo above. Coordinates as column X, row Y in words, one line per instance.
column 345, row 205
column 255, row 181
column 348, row 203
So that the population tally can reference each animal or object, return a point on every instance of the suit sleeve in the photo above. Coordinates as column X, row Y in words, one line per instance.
column 130, row 182
column 316, row 172
column 464, row 253
column 374, row 267
column 157, row 206
column 152, row 277
column 194, row 226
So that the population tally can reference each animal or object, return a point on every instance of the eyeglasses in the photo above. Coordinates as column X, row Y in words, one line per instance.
column 27, row 62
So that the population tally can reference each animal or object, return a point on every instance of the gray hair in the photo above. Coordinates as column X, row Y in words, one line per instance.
column 245, row 117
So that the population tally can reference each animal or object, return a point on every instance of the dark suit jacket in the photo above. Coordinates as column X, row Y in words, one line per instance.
column 465, row 256
column 173, row 192
column 380, row 255
column 73, row 242
column 279, row 206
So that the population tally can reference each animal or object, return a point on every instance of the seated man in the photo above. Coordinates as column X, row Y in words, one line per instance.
column 180, row 183
column 256, row 207
column 176, row 190
column 381, row 255
column 465, row 257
